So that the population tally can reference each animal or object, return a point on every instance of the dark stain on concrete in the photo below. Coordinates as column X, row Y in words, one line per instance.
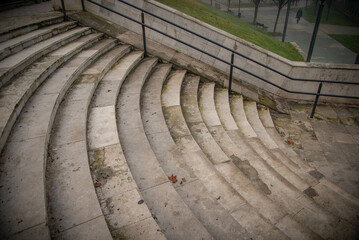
column 317, row 175
column 311, row 192
column 251, row 173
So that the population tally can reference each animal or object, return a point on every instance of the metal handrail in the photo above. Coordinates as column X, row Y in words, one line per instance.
column 233, row 52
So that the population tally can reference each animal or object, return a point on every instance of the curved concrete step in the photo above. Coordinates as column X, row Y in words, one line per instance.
column 173, row 216
column 72, row 200
column 244, row 179
column 117, row 191
column 14, row 96
column 23, row 210
column 26, row 27
column 296, row 203
column 215, row 218
column 209, row 175
column 15, row 63
column 263, row 148
column 19, row 43
column 326, row 195
column 208, row 144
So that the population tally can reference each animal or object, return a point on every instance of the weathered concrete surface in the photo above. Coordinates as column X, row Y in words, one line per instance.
column 329, row 142
column 14, row 96
column 174, row 217
column 33, row 127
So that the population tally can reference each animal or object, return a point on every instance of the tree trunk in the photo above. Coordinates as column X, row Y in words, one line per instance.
column 316, row 6
column 228, row 5
column 239, row 8
column 255, row 11
column 276, row 20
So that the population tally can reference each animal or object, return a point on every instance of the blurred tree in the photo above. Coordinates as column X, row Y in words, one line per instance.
column 256, row 6
column 280, row 4
column 316, row 6
column 239, row 8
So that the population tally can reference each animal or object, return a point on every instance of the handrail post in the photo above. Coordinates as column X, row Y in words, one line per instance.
column 231, row 74
column 64, row 10
column 316, row 100
column 83, row 5
column 144, row 33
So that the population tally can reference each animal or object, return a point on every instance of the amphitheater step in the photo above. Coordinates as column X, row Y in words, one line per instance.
column 23, row 206
column 17, row 44
column 126, row 215
column 280, row 190
column 14, row 96
column 217, row 220
column 17, row 62
column 24, row 27
column 205, row 170
column 99, row 141
column 174, row 217
column 69, row 183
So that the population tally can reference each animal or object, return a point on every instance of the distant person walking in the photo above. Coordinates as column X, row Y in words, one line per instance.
column 299, row 15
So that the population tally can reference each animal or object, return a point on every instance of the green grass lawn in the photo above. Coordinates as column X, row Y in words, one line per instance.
column 335, row 16
column 349, row 41
column 234, row 26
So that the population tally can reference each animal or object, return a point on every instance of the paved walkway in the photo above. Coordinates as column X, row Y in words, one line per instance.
column 326, row 48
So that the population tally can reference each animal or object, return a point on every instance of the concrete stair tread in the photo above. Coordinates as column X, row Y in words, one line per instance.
column 13, row 64
column 17, row 44
column 117, row 190
column 247, row 183
column 281, row 191
column 195, row 123
column 191, row 190
column 69, row 184
column 15, row 95
column 24, row 27
column 174, row 217
column 202, row 167
column 243, row 110
column 199, row 163
column 250, row 109
column 31, row 132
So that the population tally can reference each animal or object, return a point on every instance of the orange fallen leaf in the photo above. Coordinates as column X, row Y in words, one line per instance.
column 173, row 178
column 97, row 184
column 290, row 142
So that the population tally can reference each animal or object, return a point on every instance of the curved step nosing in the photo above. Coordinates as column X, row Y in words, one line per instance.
column 50, row 122
column 28, row 42
column 303, row 200
column 102, row 53
column 154, row 180
column 22, row 101
column 90, row 136
column 11, row 33
column 21, row 65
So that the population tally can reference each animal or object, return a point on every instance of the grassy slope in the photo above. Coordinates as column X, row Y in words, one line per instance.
column 349, row 41
column 335, row 17
column 234, row 26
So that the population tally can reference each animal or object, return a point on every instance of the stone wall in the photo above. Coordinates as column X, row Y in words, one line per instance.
column 320, row 71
